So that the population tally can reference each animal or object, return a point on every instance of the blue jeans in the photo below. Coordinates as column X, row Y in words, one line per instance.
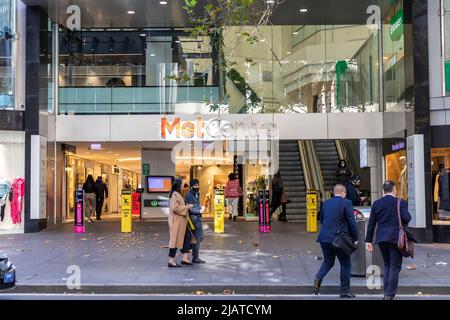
column 392, row 267
column 329, row 257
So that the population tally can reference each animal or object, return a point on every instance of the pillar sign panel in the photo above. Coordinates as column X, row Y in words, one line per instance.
column 416, row 181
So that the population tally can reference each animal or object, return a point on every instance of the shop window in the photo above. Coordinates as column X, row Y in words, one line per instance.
column 441, row 185
column 396, row 171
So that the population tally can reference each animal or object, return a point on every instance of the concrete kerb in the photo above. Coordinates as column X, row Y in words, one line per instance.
column 215, row 289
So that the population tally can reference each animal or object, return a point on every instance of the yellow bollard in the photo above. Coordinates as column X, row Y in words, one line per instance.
column 311, row 210
column 127, row 218
column 219, row 207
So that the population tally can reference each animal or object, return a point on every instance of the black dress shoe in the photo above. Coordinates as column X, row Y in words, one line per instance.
column 316, row 286
column 186, row 263
column 176, row 265
column 198, row 261
column 347, row 296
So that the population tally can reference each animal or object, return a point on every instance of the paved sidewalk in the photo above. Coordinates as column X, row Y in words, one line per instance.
column 241, row 259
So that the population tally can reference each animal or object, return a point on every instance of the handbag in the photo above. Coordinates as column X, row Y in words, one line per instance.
column 285, row 199
column 191, row 224
column 343, row 241
column 404, row 244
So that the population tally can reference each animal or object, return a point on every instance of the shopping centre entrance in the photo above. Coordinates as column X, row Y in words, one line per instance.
column 303, row 165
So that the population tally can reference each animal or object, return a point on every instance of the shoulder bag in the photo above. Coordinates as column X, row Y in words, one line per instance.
column 343, row 241
column 404, row 244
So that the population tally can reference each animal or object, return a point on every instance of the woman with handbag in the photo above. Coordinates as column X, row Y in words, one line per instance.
column 178, row 220
column 338, row 237
column 390, row 216
column 279, row 198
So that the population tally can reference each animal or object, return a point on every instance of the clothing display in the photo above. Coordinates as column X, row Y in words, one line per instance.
column 444, row 191
column 403, row 180
column 17, row 193
column 5, row 188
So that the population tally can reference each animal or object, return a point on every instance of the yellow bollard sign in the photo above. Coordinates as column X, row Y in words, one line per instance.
column 127, row 218
column 219, row 207
column 311, row 210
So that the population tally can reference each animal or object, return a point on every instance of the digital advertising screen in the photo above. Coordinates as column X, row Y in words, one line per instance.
column 159, row 184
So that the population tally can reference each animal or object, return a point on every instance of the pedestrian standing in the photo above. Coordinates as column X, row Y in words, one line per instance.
column 194, row 237
column 178, row 219
column 101, row 192
column 336, row 216
column 90, row 199
column 343, row 173
column 384, row 216
column 232, row 193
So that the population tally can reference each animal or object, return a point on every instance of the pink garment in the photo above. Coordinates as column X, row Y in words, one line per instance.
column 18, row 191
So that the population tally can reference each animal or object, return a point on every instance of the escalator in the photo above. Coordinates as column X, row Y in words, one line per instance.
column 328, row 157
column 291, row 171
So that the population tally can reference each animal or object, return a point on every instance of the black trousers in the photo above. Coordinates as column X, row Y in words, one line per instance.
column 2, row 211
column 392, row 267
column 99, row 206
column 275, row 206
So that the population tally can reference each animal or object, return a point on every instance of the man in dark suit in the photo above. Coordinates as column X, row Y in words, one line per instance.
column 384, row 215
column 336, row 215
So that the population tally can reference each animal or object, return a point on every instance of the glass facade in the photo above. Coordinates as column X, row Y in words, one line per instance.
column 6, row 54
column 302, row 68
column 446, row 30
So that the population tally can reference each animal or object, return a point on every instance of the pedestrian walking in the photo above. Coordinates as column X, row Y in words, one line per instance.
column 178, row 219
column 385, row 216
column 337, row 217
column 277, row 197
column 232, row 193
column 194, row 236
column 101, row 193
column 90, row 199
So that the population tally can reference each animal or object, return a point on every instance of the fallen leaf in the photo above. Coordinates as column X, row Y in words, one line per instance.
column 429, row 255
column 308, row 252
column 101, row 238
column 83, row 239
column 228, row 291
column 47, row 241
column 87, row 255
column 164, row 247
column 440, row 263
column 411, row 267
column 276, row 257
column 256, row 244
column 241, row 241
column 199, row 292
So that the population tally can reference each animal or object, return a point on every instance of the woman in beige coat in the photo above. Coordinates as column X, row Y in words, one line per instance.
column 178, row 219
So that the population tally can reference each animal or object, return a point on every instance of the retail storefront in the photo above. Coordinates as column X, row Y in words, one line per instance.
column 76, row 171
column 12, row 182
column 213, row 175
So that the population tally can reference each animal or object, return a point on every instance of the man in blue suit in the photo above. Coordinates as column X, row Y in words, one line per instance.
column 336, row 215
column 384, row 215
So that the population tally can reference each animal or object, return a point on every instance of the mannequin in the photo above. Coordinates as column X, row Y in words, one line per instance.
column 5, row 188
column 16, row 197
column 403, row 180
column 444, row 194
column 208, row 196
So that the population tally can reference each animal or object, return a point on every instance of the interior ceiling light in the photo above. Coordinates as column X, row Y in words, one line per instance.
column 303, row 10
column 131, row 12
column 129, row 159
column 163, row 2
